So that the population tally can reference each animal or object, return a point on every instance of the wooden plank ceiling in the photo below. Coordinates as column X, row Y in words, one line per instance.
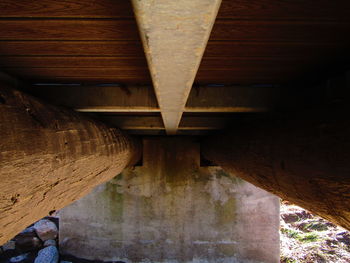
column 253, row 42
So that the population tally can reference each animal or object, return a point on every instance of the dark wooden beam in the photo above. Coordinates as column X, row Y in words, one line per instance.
column 50, row 157
column 139, row 122
column 142, row 98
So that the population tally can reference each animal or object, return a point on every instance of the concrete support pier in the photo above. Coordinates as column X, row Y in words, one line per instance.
column 171, row 209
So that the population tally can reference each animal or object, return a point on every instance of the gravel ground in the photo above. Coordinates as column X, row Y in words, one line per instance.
column 307, row 238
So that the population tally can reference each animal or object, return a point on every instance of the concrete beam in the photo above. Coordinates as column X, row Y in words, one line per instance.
column 174, row 36
column 302, row 157
column 50, row 157
column 179, row 212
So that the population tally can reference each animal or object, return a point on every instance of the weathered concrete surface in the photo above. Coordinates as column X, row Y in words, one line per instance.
column 302, row 157
column 174, row 36
column 172, row 210
column 50, row 157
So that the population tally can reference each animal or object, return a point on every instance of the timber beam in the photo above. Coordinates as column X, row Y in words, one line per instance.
column 303, row 158
column 50, row 157
column 203, row 99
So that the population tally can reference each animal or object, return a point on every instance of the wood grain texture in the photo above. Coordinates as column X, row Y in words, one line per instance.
column 203, row 99
column 300, row 157
column 119, row 75
column 137, row 122
column 66, row 8
column 50, row 157
column 248, row 76
column 239, row 9
column 237, row 30
column 335, row 10
column 72, row 48
column 73, row 62
column 125, row 79
column 70, row 29
column 227, row 49
column 253, row 41
column 133, row 97
column 291, row 31
column 288, row 63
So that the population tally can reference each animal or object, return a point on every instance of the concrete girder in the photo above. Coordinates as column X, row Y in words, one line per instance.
column 174, row 36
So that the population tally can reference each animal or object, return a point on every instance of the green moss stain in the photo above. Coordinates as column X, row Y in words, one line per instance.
column 229, row 250
column 119, row 177
column 115, row 202
column 225, row 213
column 235, row 180
column 147, row 208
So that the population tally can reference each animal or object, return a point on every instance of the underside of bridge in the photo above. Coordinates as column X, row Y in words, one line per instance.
column 261, row 85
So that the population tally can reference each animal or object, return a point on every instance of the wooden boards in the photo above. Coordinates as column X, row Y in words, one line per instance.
column 258, row 29
column 71, row 41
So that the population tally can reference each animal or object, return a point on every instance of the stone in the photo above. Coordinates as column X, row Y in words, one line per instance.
column 50, row 242
column 9, row 245
column 28, row 230
column 28, row 244
column 45, row 229
column 20, row 258
column 27, row 241
column 63, row 261
column 47, row 255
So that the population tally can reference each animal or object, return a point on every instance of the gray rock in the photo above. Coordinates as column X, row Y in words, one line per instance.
column 47, row 255
column 63, row 261
column 27, row 242
column 28, row 230
column 9, row 245
column 19, row 258
column 45, row 229
column 50, row 242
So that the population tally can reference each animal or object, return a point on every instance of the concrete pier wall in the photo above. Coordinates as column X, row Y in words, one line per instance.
column 172, row 210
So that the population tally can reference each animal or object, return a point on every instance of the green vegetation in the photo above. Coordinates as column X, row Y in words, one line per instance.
column 287, row 260
column 307, row 238
column 302, row 237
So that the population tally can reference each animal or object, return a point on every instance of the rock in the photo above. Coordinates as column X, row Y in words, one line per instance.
column 53, row 219
column 20, row 258
column 344, row 237
column 62, row 261
column 45, row 229
column 50, row 242
column 27, row 241
column 28, row 230
column 9, row 245
column 290, row 218
column 47, row 255
column 295, row 216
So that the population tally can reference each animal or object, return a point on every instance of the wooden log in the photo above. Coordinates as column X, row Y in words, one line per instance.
column 50, row 157
column 302, row 157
